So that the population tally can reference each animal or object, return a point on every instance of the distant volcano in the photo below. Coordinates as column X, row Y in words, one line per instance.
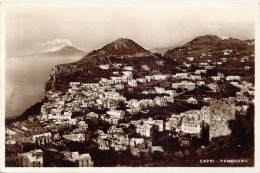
column 66, row 51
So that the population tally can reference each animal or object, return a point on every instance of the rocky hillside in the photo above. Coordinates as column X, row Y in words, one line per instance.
column 210, row 44
column 122, row 51
column 129, row 53
column 221, row 112
column 120, row 46
column 212, row 48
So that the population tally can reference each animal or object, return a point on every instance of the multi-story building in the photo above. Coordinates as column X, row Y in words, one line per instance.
column 82, row 160
column 232, row 78
column 184, row 85
column 41, row 137
column 144, row 130
column 191, row 126
column 116, row 113
column 30, row 159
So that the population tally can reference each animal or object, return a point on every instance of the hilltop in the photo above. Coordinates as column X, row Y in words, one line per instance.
column 210, row 44
column 127, row 52
column 121, row 51
column 120, row 46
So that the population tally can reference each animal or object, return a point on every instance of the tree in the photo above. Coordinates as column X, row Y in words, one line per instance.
column 157, row 156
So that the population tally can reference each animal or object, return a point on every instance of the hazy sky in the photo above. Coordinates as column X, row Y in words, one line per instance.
column 89, row 26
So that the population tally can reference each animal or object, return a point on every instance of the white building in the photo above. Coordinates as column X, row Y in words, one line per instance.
column 190, row 58
column 117, row 80
column 191, row 126
column 149, row 78
column 160, row 77
column 127, row 73
column 159, row 125
column 116, row 114
column 231, row 78
column 200, row 83
column 159, row 90
column 30, row 159
column 213, row 86
column 200, row 72
column 223, row 59
column 82, row 160
column 104, row 66
column 130, row 68
column 192, row 100
column 184, row 85
column 76, row 137
column 113, row 130
column 141, row 80
column 132, row 83
column 41, row 137
column 74, row 83
column 181, row 75
column 216, row 78
column 111, row 95
column 135, row 142
column 195, row 77
column 144, row 130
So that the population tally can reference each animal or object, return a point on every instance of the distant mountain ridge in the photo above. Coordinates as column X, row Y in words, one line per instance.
column 161, row 50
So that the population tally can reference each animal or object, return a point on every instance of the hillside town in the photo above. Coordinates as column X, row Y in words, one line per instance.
column 132, row 119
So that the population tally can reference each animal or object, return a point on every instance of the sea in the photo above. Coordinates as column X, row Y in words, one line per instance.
column 25, row 80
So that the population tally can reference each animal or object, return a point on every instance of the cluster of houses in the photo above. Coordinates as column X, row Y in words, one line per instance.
column 38, row 158
column 106, row 95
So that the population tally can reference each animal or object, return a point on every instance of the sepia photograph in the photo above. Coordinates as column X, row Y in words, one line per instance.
column 128, row 84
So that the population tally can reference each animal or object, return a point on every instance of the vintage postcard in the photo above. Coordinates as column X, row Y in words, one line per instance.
column 129, row 86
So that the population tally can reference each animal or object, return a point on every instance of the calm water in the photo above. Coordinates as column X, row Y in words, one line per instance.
column 25, row 80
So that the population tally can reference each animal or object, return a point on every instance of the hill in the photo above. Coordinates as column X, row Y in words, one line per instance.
column 120, row 46
column 66, row 51
column 128, row 53
column 212, row 45
column 122, row 51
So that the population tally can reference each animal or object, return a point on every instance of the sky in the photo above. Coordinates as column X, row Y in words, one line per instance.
column 32, row 27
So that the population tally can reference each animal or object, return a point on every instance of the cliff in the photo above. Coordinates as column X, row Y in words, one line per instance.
column 221, row 112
